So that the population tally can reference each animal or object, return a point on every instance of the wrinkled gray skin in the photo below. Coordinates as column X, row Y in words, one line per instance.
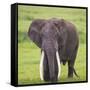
column 55, row 35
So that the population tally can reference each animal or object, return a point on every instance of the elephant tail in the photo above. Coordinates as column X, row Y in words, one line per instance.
column 75, row 72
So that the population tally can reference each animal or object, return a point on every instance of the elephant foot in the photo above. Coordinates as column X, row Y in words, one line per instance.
column 70, row 76
column 70, row 73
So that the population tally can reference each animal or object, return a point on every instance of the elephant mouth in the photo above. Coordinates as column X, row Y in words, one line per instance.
column 41, row 64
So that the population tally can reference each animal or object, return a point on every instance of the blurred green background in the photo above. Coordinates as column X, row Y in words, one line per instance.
column 29, row 53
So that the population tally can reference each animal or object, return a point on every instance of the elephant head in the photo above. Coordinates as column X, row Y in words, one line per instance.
column 45, row 34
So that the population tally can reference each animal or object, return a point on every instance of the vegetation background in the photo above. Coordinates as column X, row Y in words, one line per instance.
column 29, row 53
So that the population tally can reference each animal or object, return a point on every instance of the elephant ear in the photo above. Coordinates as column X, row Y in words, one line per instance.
column 34, row 31
column 59, row 23
column 61, row 27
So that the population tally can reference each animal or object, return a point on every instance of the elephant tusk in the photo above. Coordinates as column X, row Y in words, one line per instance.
column 58, row 62
column 41, row 65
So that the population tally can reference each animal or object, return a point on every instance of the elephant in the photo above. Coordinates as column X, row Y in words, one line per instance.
column 58, row 40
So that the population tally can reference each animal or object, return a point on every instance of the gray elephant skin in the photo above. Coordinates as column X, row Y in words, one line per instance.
column 54, row 35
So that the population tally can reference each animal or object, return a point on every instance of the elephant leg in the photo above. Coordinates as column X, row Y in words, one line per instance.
column 71, row 63
column 46, row 69
column 70, row 68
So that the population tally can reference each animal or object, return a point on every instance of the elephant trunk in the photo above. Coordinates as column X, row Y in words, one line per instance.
column 54, row 65
column 51, row 66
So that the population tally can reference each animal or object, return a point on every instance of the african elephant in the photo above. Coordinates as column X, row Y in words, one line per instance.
column 59, row 43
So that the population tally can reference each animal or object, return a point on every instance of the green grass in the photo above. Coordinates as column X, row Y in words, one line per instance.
column 29, row 59
column 29, row 53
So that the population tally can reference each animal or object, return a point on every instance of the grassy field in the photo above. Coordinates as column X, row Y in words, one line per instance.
column 29, row 53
